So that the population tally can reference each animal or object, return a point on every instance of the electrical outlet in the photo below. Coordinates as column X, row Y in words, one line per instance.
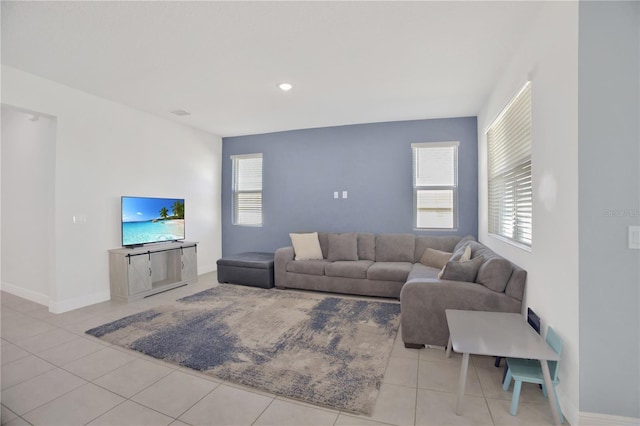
column 335, row 195
column 634, row 237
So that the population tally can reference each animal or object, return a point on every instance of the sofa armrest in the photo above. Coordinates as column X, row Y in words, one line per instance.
column 423, row 303
column 282, row 256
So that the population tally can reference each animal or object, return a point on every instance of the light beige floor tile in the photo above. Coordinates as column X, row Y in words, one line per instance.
column 14, row 320
column 71, row 351
column 33, row 393
column 401, row 371
column 444, row 377
column 43, row 315
column 175, row 393
column 71, row 317
column 8, row 299
column 179, row 423
column 131, row 414
column 227, row 405
column 75, row 408
column 195, row 373
column 80, row 327
column 22, row 370
column 440, row 355
column 484, row 361
column 18, row 421
column 98, row 363
column 491, row 382
column 47, row 340
column 6, row 415
column 400, row 351
column 395, row 405
column 11, row 352
column 21, row 332
column 132, row 377
column 349, row 420
column 438, row 409
column 27, row 306
column 288, row 413
column 528, row 413
column 100, row 308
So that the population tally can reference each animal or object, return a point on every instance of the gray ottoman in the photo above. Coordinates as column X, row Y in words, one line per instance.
column 253, row 269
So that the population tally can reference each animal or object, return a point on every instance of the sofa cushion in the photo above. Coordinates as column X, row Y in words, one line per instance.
column 496, row 270
column 309, row 267
column 435, row 258
column 323, row 237
column 494, row 274
column 395, row 247
column 389, row 271
column 366, row 246
column 306, row 246
column 437, row 243
column 343, row 247
column 420, row 271
column 348, row 269
column 462, row 270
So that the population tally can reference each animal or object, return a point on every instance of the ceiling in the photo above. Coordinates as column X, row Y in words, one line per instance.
column 349, row 62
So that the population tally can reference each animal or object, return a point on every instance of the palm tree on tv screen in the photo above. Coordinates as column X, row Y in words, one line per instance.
column 164, row 212
column 178, row 210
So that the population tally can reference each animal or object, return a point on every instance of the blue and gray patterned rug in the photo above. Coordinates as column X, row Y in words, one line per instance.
column 330, row 351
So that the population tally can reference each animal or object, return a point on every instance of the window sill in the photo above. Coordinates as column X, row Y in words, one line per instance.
column 511, row 242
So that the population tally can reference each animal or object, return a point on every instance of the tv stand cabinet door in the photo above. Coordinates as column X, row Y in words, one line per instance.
column 139, row 274
column 189, row 263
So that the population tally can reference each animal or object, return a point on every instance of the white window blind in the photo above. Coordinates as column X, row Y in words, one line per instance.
column 435, row 182
column 509, row 171
column 247, row 189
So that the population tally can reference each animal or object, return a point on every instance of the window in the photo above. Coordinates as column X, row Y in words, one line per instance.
column 247, row 189
column 509, row 171
column 435, row 184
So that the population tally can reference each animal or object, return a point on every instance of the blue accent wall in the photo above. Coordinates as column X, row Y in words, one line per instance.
column 373, row 162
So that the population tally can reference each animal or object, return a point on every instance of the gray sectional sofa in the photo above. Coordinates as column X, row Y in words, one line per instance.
column 394, row 266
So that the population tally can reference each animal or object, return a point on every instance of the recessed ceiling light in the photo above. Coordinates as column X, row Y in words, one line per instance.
column 285, row 86
column 180, row 112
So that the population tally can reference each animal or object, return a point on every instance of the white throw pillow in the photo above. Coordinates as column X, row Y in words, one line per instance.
column 467, row 254
column 306, row 246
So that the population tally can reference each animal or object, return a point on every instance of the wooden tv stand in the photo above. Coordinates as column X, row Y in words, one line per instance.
column 135, row 273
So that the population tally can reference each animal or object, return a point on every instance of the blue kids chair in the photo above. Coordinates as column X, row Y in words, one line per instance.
column 529, row 370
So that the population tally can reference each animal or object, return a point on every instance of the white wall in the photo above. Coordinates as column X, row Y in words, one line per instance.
column 105, row 150
column 609, row 153
column 549, row 57
column 28, row 171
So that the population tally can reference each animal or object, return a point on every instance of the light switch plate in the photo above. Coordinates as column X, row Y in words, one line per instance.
column 344, row 194
column 634, row 237
column 335, row 194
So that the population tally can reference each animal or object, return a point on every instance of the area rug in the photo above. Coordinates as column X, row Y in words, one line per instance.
column 330, row 351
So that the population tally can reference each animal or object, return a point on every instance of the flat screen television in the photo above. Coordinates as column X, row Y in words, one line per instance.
column 148, row 220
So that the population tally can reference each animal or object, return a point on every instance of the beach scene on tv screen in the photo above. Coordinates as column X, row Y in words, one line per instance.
column 148, row 220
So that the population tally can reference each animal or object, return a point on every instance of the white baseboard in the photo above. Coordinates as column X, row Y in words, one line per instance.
column 58, row 307
column 33, row 296
column 207, row 267
column 597, row 419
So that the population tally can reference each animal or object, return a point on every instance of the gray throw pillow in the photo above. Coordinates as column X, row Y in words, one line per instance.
column 494, row 274
column 343, row 246
column 462, row 271
column 435, row 258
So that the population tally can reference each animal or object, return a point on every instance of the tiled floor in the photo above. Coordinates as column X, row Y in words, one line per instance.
column 54, row 374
